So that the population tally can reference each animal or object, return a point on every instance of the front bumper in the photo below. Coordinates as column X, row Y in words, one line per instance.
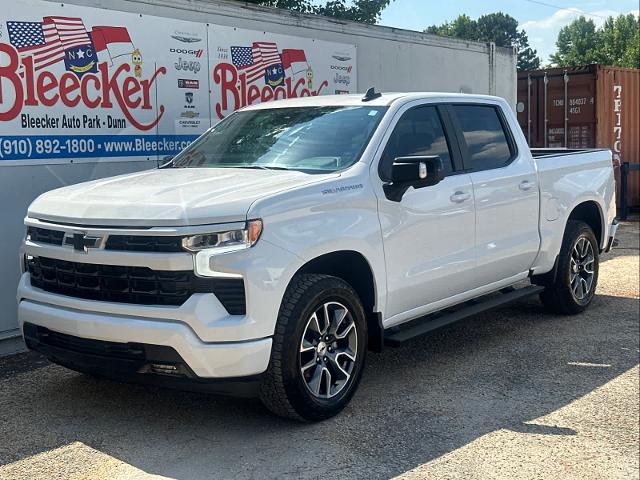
column 213, row 342
column 132, row 362
column 204, row 359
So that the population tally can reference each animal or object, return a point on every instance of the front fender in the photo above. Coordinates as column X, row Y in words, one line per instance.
column 337, row 215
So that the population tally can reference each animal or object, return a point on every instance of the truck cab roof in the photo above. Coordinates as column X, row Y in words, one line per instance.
column 385, row 99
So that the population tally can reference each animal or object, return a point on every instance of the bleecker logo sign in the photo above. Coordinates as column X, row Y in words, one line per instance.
column 260, row 73
column 26, row 79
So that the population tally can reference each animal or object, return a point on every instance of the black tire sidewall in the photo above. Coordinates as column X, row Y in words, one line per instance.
column 576, row 231
column 304, row 402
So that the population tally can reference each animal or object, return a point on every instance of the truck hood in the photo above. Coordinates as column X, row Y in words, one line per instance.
column 167, row 197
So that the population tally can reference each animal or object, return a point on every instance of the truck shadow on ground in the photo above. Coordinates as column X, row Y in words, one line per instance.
column 431, row 396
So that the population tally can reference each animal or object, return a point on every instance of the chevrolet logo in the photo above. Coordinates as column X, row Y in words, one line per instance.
column 81, row 242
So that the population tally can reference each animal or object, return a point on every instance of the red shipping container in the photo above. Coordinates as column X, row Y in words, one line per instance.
column 593, row 106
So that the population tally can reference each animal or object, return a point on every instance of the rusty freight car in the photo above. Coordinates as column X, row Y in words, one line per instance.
column 593, row 106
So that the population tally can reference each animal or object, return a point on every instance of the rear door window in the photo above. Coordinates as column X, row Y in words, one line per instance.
column 487, row 143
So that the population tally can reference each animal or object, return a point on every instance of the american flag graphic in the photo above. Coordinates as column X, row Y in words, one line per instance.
column 47, row 41
column 255, row 59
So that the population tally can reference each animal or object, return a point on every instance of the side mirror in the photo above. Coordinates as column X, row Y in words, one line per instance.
column 414, row 171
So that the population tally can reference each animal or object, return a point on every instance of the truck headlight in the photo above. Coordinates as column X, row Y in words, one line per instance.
column 228, row 241
column 207, row 246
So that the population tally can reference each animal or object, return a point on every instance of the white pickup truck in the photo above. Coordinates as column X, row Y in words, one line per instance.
column 272, row 253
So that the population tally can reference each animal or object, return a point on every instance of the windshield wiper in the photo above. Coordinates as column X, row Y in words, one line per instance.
column 264, row 167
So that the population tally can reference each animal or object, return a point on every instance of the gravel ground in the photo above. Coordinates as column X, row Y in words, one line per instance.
column 514, row 393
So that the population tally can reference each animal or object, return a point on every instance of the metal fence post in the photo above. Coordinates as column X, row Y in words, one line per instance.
column 624, row 173
column 546, row 118
column 566, row 109
column 529, row 109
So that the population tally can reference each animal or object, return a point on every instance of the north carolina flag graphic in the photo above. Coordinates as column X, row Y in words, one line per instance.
column 115, row 40
column 48, row 40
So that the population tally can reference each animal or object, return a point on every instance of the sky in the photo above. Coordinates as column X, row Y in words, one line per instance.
column 542, row 23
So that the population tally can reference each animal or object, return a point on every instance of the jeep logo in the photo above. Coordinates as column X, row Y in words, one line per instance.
column 187, row 65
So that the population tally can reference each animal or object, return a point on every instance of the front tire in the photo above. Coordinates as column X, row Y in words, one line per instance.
column 573, row 289
column 318, row 350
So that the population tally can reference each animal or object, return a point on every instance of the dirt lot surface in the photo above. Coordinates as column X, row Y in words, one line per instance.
column 514, row 393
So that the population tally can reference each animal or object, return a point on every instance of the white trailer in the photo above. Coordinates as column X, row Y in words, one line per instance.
column 132, row 81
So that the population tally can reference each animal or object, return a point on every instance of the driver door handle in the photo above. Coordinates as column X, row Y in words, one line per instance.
column 460, row 197
column 526, row 185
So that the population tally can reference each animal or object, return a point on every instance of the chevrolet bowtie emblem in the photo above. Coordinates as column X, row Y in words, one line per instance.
column 81, row 242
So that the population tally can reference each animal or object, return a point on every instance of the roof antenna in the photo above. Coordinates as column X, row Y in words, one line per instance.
column 371, row 94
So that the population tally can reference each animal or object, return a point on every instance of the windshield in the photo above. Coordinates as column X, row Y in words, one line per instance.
column 314, row 139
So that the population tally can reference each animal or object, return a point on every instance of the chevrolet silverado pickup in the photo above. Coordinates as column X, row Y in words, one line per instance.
column 292, row 237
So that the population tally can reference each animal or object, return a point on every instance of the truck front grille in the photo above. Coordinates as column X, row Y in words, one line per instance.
column 126, row 284
column 45, row 235
column 125, row 243
column 140, row 243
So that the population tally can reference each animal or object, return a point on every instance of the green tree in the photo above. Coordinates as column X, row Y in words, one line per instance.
column 527, row 57
column 619, row 42
column 616, row 43
column 462, row 27
column 631, row 57
column 577, row 44
column 365, row 11
column 500, row 28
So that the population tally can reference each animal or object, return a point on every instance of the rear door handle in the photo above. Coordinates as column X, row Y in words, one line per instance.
column 526, row 185
column 460, row 197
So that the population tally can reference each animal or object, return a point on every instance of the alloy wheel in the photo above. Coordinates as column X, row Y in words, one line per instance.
column 328, row 350
column 582, row 269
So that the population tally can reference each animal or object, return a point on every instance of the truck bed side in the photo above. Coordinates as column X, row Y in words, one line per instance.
column 567, row 181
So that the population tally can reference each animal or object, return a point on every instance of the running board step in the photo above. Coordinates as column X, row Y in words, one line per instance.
column 433, row 321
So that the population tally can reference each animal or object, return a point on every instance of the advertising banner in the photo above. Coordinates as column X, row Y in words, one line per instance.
column 249, row 67
column 87, row 83
column 81, row 82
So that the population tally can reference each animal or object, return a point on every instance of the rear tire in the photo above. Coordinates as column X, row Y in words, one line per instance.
column 318, row 350
column 576, row 278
